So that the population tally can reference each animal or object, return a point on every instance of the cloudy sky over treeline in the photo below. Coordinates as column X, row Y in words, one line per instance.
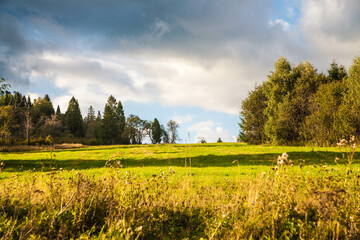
column 192, row 61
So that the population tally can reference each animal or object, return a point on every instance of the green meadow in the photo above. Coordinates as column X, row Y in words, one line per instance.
column 179, row 191
column 200, row 160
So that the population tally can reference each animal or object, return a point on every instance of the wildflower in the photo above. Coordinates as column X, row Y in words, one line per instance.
column 343, row 142
column 283, row 159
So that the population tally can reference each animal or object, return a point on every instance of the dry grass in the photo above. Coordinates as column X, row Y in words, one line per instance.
column 25, row 148
column 275, row 205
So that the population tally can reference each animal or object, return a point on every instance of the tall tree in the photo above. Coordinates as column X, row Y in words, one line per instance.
column 164, row 134
column 58, row 112
column 253, row 118
column 43, row 106
column 91, row 125
column 155, row 132
column 113, row 122
column 4, row 87
column 324, row 124
column 350, row 110
column 172, row 128
column 6, row 121
column 136, row 129
column 280, row 83
column 336, row 72
column 120, row 119
column 73, row 118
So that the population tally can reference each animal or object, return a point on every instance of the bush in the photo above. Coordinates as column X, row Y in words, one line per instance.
column 49, row 140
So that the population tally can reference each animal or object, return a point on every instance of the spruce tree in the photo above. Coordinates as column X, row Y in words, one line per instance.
column 120, row 118
column 155, row 132
column 73, row 118
column 58, row 112
column 113, row 122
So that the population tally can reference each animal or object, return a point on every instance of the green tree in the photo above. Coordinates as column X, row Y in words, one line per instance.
column 155, row 132
column 336, row 72
column 136, row 129
column 6, row 122
column 91, row 124
column 253, row 118
column 4, row 87
column 288, row 92
column 73, row 118
column 164, row 134
column 58, row 112
column 324, row 124
column 43, row 107
column 350, row 110
column 277, row 90
column 120, row 119
column 172, row 128
column 113, row 122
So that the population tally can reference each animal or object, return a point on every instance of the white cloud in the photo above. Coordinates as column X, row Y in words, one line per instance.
column 160, row 28
column 331, row 30
column 210, row 132
column 208, row 56
column 182, row 119
column 280, row 22
column 32, row 95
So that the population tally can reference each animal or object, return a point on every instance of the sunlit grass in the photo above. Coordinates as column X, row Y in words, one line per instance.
column 231, row 191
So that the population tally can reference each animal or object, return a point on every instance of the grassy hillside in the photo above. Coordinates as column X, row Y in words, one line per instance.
column 230, row 191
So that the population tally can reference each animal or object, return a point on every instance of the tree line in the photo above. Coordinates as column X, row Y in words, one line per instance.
column 23, row 121
column 299, row 106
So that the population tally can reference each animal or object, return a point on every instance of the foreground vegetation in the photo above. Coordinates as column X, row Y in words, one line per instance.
column 231, row 191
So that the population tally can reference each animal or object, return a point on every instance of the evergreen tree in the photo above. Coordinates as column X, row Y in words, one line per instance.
column 91, row 115
column 336, row 72
column 91, row 125
column 155, row 132
column 113, row 122
column 120, row 119
column 98, row 117
column 58, row 112
column 73, row 118
column 44, row 107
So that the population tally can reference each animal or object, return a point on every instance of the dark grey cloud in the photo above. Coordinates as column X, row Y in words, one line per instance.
column 191, row 24
column 199, row 29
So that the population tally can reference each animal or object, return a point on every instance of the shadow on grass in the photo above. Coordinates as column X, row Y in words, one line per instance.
column 265, row 159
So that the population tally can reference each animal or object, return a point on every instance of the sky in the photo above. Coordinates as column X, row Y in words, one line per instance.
column 193, row 61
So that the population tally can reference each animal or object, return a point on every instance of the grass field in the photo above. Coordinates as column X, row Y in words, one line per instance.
column 209, row 191
column 204, row 159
